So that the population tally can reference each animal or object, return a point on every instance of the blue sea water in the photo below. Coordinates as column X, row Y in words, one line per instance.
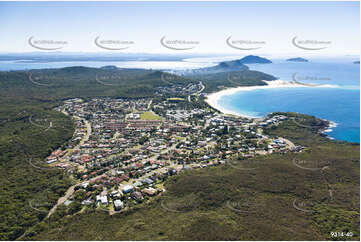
column 27, row 65
column 339, row 103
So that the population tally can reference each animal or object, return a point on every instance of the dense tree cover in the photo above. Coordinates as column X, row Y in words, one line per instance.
column 27, row 192
column 218, row 81
column 29, row 188
column 274, row 201
column 54, row 84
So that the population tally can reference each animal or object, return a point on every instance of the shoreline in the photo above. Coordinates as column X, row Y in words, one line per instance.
column 213, row 98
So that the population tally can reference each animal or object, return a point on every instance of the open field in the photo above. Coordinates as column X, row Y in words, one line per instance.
column 150, row 116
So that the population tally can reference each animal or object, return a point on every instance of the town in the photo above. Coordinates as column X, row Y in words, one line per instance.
column 123, row 150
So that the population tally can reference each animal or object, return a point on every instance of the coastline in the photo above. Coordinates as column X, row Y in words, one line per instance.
column 213, row 98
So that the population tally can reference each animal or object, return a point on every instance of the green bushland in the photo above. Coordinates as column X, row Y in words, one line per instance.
column 218, row 81
column 26, row 110
column 203, row 196
column 22, row 142
column 228, row 203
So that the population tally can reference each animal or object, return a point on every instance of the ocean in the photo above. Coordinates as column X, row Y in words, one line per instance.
column 338, row 100
column 159, row 65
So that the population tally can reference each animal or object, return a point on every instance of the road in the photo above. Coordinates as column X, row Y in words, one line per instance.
column 68, row 193
column 289, row 143
column 197, row 92
column 82, row 141
column 149, row 104
column 70, row 190
column 201, row 83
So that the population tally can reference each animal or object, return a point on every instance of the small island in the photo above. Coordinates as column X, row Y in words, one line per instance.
column 253, row 59
column 109, row 67
column 298, row 59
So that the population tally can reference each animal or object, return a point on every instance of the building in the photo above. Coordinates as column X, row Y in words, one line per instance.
column 118, row 205
column 149, row 191
column 127, row 189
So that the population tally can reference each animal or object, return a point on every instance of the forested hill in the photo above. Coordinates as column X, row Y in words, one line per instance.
column 51, row 84
column 218, row 81
column 57, row 84
column 227, row 66
column 33, row 94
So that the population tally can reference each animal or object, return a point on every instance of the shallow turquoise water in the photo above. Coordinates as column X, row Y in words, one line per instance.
column 340, row 104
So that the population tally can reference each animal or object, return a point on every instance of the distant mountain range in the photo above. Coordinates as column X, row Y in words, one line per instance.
column 297, row 59
column 227, row 66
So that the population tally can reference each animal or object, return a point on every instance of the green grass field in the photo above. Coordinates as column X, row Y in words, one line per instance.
column 175, row 99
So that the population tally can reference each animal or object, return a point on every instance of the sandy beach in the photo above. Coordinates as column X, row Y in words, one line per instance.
column 213, row 98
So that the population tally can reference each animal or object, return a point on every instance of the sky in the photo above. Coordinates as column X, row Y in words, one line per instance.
column 272, row 25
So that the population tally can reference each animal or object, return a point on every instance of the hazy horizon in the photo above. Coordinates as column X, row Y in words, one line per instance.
column 209, row 25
